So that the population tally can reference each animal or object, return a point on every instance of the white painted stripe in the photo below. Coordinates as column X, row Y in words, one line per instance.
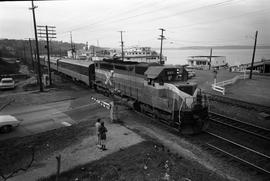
column 66, row 123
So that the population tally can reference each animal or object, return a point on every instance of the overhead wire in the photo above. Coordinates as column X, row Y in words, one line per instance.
column 220, row 19
column 214, row 5
column 129, row 17
column 103, row 20
column 207, row 41
column 188, row 11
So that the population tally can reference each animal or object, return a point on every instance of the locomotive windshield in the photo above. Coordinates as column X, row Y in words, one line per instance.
column 166, row 74
column 177, row 76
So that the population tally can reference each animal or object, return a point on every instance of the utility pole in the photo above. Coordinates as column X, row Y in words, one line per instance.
column 122, row 45
column 24, row 55
column 210, row 59
column 38, row 58
column 51, row 47
column 72, row 46
column 253, row 56
column 161, row 42
column 71, row 40
column 44, row 32
column 31, row 53
column 60, row 52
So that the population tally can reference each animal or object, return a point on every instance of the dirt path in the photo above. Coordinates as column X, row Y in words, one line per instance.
column 84, row 152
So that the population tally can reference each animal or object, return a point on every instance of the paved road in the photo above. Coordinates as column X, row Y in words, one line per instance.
column 39, row 118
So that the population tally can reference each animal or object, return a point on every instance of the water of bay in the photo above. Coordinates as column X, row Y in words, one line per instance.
column 233, row 56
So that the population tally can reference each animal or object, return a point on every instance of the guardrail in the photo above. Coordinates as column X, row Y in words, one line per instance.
column 218, row 89
column 220, row 86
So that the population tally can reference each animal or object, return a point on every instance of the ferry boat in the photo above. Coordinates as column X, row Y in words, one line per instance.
column 143, row 54
column 133, row 54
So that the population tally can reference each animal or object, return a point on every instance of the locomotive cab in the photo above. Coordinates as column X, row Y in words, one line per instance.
column 188, row 107
column 168, row 74
column 175, row 75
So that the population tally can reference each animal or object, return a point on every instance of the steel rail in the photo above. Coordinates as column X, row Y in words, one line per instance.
column 236, row 157
column 244, row 124
column 238, row 102
column 240, row 159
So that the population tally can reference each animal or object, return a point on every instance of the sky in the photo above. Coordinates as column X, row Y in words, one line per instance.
column 186, row 22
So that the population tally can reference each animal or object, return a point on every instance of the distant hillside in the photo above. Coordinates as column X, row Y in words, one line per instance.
column 222, row 47
column 15, row 48
column 8, row 67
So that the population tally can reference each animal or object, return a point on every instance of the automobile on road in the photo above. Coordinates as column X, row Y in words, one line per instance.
column 8, row 122
column 7, row 83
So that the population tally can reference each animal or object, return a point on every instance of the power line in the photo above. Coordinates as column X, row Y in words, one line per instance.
column 220, row 41
column 157, row 18
column 194, row 24
column 194, row 9
column 103, row 20
column 219, row 19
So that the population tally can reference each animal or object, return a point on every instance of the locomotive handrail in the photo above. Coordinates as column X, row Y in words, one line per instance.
column 181, row 94
column 180, row 112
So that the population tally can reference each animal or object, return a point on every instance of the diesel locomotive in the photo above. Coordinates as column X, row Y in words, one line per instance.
column 161, row 91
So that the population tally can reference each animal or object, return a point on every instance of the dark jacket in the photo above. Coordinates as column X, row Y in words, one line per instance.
column 102, row 132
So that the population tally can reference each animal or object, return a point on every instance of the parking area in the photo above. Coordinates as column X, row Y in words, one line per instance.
column 255, row 90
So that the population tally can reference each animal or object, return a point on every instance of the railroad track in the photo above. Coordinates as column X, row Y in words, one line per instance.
column 245, row 155
column 248, row 156
column 239, row 103
column 240, row 125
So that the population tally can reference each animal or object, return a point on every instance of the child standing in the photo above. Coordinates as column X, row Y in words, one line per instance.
column 102, row 131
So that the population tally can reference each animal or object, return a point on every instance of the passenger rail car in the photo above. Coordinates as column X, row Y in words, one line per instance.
column 78, row 70
column 161, row 91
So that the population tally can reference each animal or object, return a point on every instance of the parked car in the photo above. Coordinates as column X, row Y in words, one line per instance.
column 7, row 122
column 191, row 73
column 7, row 83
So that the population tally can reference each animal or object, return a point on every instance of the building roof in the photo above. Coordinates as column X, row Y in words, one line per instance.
column 153, row 72
column 263, row 62
column 83, row 63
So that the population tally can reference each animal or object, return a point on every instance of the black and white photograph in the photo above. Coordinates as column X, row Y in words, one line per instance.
column 135, row 90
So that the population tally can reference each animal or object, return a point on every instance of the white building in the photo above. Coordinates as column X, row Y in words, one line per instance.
column 203, row 62
column 142, row 54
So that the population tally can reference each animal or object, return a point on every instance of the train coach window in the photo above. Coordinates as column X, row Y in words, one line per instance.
column 106, row 66
column 84, row 70
column 120, row 67
column 130, row 68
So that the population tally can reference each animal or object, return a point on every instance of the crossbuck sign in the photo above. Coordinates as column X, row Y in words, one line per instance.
column 108, row 77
